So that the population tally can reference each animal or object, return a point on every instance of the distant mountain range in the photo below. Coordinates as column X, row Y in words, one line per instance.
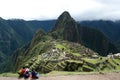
column 14, row 33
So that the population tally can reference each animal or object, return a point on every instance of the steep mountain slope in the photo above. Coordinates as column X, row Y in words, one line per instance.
column 118, row 45
column 23, row 29
column 111, row 29
column 8, row 37
column 66, row 28
column 16, row 33
column 64, row 49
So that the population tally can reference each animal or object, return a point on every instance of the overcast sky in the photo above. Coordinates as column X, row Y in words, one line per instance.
column 51, row 9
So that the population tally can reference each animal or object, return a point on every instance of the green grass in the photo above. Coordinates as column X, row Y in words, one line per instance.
column 75, row 61
column 60, row 46
column 92, row 61
column 112, row 63
column 58, row 73
column 117, row 60
column 9, row 74
column 63, row 46
column 88, row 67
column 76, row 54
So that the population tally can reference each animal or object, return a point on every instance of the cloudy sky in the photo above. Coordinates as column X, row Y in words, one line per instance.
column 51, row 9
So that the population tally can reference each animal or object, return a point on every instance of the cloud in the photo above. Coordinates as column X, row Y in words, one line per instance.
column 51, row 9
column 107, row 10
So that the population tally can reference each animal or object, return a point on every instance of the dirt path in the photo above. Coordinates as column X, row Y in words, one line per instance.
column 108, row 76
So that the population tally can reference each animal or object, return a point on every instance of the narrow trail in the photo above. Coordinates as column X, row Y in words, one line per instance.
column 108, row 76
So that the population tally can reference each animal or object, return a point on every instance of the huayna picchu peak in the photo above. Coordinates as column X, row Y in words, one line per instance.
column 62, row 19
column 64, row 15
column 67, row 47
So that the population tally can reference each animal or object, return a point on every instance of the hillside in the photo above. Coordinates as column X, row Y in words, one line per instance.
column 67, row 47
column 49, row 55
column 59, row 55
column 16, row 33
column 111, row 29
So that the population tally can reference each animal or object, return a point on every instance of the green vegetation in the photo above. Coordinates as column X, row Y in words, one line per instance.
column 9, row 75
column 54, row 73
column 16, row 33
column 109, row 28
column 92, row 61
column 68, row 47
column 60, row 46
column 54, row 56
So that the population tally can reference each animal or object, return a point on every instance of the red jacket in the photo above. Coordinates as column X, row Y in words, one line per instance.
column 23, row 71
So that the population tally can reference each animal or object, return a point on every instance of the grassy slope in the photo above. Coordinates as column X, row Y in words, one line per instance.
column 87, row 64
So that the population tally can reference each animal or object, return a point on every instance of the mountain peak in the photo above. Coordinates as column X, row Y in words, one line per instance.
column 65, row 14
column 62, row 20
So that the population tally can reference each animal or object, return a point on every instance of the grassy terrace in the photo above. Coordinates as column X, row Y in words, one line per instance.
column 60, row 46
column 75, row 61
column 92, row 61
